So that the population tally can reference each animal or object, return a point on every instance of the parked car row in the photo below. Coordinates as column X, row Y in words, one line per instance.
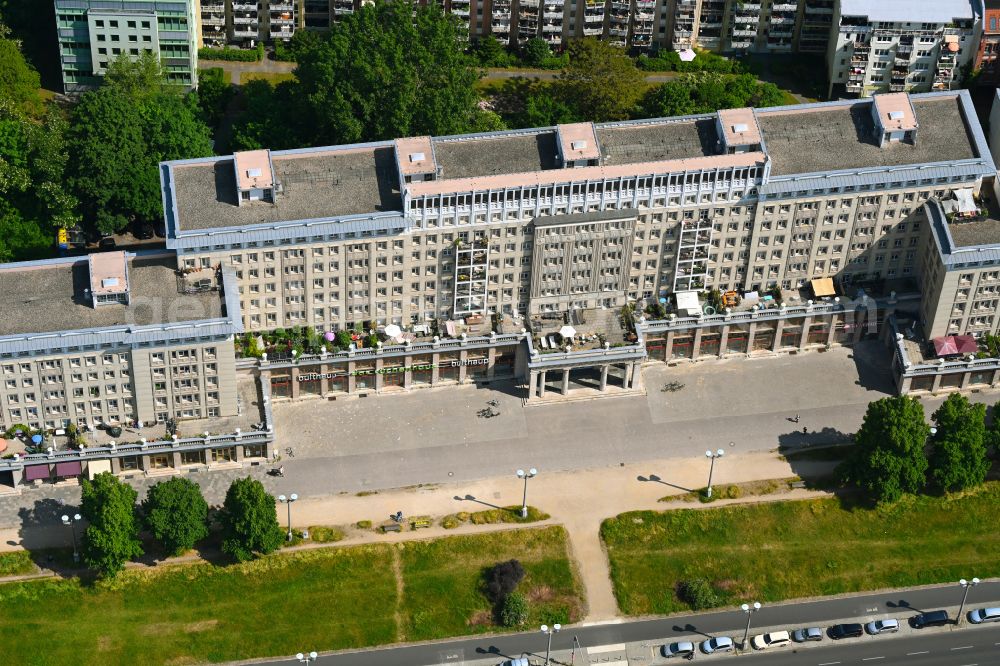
column 937, row 618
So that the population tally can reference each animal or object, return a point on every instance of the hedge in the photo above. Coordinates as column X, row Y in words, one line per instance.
column 233, row 55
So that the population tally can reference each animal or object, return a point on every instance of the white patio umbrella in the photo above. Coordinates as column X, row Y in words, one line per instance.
column 687, row 55
column 392, row 331
column 567, row 331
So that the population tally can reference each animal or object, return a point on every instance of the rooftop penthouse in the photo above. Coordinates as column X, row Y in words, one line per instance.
column 799, row 147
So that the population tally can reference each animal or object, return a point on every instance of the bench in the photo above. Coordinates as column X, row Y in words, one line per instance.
column 392, row 527
column 421, row 522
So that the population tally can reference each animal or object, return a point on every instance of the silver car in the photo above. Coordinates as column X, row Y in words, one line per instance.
column 877, row 627
column 717, row 644
column 981, row 615
column 807, row 634
column 679, row 649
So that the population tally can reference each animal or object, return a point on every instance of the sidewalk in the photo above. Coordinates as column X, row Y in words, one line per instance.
column 579, row 500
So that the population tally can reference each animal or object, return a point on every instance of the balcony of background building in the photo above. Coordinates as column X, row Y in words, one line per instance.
column 245, row 7
column 281, row 6
column 785, row 7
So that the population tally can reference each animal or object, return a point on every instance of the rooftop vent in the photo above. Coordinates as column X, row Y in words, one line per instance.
column 254, row 173
column 895, row 115
column 740, row 127
column 109, row 282
column 417, row 157
column 578, row 145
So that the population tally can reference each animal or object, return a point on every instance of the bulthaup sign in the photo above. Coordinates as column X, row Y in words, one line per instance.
column 314, row 376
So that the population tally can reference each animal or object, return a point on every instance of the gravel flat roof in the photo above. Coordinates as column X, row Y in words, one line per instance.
column 843, row 138
column 979, row 232
column 477, row 157
column 314, row 185
column 628, row 144
column 51, row 299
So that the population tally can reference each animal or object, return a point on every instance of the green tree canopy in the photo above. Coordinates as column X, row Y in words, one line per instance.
column 535, row 51
column 389, row 70
column 959, row 458
column 601, row 81
column 249, row 521
column 214, row 94
column 269, row 118
column 176, row 514
column 119, row 134
column 135, row 77
column 112, row 537
column 19, row 82
column 889, row 457
column 706, row 92
column 491, row 52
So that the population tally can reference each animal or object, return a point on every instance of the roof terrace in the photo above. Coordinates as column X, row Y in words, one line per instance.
column 629, row 143
column 496, row 155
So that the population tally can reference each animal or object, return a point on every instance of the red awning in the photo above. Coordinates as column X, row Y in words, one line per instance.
column 955, row 345
column 34, row 472
column 65, row 469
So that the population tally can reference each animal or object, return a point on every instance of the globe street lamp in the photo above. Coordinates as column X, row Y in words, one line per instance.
column 712, row 456
column 966, row 584
column 72, row 525
column 749, row 609
column 521, row 474
column 288, row 501
column 306, row 658
column 546, row 630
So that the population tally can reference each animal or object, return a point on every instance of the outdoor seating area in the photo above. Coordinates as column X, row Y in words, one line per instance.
column 580, row 330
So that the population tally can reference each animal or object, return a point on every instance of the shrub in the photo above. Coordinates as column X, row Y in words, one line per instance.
column 450, row 522
column 364, row 524
column 698, row 593
column 503, row 579
column 514, row 611
column 734, row 492
column 232, row 55
column 323, row 534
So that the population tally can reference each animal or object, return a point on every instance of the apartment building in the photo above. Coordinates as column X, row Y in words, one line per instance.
column 898, row 45
column 989, row 45
column 91, row 33
column 246, row 23
column 742, row 199
column 114, row 338
column 754, row 26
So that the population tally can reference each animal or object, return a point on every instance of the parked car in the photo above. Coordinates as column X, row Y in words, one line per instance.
column 849, row 630
column 106, row 243
column 717, row 644
column 807, row 634
column 882, row 627
column 520, row 661
column 143, row 230
column 930, row 619
column 981, row 615
column 773, row 639
column 679, row 649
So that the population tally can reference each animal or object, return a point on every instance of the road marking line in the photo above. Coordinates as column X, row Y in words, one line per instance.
column 910, row 654
column 829, row 663
column 964, row 647
column 872, row 658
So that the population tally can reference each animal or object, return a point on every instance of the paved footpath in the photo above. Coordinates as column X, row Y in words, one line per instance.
column 578, row 500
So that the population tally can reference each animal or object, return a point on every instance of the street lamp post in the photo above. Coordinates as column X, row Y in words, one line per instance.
column 288, row 501
column 305, row 658
column 966, row 584
column 712, row 456
column 749, row 609
column 521, row 474
column 72, row 525
column 546, row 630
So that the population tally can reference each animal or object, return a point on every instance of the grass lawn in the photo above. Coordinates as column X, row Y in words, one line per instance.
column 319, row 599
column 274, row 77
column 785, row 550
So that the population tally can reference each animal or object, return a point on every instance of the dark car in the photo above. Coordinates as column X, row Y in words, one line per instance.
column 936, row 618
column 849, row 630
column 107, row 243
column 143, row 230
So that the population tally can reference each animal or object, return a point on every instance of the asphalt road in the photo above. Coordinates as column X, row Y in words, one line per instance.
column 822, row 612
column 978, row 647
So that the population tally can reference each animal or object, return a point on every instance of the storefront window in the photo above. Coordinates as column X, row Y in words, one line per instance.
column 364, row 376
column 818, row 333
column 310, row 384
column 682, row 346
column 422, row 370
column 709, row 344
column 159, row 461
column 476, row 366
column 763, row 339
column 393, row 374
column 448, row 368
column 226, row 454
column 281, row 386
column 255, row 451
column 736, row 341
column 129, row 463
column 790, row 336
column 503, row 362
column 192, row 457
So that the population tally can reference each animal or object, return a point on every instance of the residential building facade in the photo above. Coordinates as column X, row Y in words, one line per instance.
column 989, row 45
column 92, row 33
column 898, row 45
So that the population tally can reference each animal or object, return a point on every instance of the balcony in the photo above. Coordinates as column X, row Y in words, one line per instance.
column 593, row 32
column 746, row 18
column 245, row 7
column 785, row 7
column 282, row 7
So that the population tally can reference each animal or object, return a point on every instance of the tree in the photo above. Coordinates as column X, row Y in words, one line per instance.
column 249, row 521
column 214, row 95
column 135, row 77
column 342, row 339
column 514, row 610
column 389, row 70
column 669, row 99
column 112, row 537
column 600, row 80
column 269, row 118
column 889, row 457
column 119, row 134
column 535, row 51
column 176, row 514
column 503, row 579
column 491, row 52
column 19, row 82
column 959, row 459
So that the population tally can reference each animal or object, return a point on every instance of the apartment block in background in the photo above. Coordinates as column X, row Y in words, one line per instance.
column 899, row 45
column 989, row 45
column 92, row 33
column 754, row 26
